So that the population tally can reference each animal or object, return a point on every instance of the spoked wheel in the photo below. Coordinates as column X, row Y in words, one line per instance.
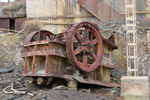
column 39, row 36
column 84, row 46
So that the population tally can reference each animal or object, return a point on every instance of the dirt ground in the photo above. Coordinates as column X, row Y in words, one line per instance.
column 87, row 92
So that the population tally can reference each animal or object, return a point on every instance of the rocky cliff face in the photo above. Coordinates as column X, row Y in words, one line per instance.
column 118, row 28
column 13, row 9
column 10, row 48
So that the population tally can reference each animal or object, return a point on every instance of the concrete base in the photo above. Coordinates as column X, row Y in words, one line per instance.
column 135, row 88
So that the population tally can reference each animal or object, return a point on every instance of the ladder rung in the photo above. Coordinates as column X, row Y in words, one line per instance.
column 131, row 31
column 130, row 6
column 130, row 25
column 132, row 57
column 129, row 69
column 130, row 19
column 131, row 44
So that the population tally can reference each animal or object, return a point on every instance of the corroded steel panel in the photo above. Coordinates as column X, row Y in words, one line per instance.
column 99, row 9
column 4, row 23
column 19, row 22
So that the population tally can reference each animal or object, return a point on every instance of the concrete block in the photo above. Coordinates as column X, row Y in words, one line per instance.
column 135, row 88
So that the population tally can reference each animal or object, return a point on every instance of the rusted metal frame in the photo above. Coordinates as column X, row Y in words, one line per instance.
column 25, row 65
column 111, row 66
column 63, row 42
column 31, row 35
column 102, row 72
column 48, row 52
column 33, row 63
column 39, row 35
column 110, row 44
column 99, row 9
column 48, row 75
column 46, row 63
column 46, row 42
column 106, row 84
column 36, row 43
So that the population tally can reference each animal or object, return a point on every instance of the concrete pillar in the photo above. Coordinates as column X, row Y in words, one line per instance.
column 135, row 88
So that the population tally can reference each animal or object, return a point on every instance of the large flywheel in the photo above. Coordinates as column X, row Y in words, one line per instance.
column 39, row 36
column 84, row 46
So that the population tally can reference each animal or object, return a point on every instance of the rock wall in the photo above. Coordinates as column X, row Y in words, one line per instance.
column 13, row 9
column 10, row 57
column 118, row 28
column 10, row 47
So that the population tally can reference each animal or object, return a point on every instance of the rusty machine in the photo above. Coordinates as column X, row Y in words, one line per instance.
column 77, row 55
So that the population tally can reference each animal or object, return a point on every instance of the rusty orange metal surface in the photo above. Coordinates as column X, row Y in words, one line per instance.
column 48, row 56
column 99, row 9
column 19, row 22
column 102, row 83
column 4, row 23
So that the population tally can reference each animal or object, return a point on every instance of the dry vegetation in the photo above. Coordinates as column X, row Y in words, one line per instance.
column 31, row 26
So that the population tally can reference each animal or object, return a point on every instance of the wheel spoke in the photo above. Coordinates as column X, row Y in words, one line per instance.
column 78, row 50
column 91, row 36
column 78, row 37
column 95, row 41
column 85, row 58
column 39, row 35
column 86, row 33
column 83, row 64
column 93, row 55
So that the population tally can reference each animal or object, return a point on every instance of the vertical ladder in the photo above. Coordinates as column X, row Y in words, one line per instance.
column 131, row 38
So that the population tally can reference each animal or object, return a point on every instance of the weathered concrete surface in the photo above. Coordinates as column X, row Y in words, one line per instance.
column 135, row 88
column 42, row 8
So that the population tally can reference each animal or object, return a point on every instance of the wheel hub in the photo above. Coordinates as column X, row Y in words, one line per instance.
column 89, row 47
